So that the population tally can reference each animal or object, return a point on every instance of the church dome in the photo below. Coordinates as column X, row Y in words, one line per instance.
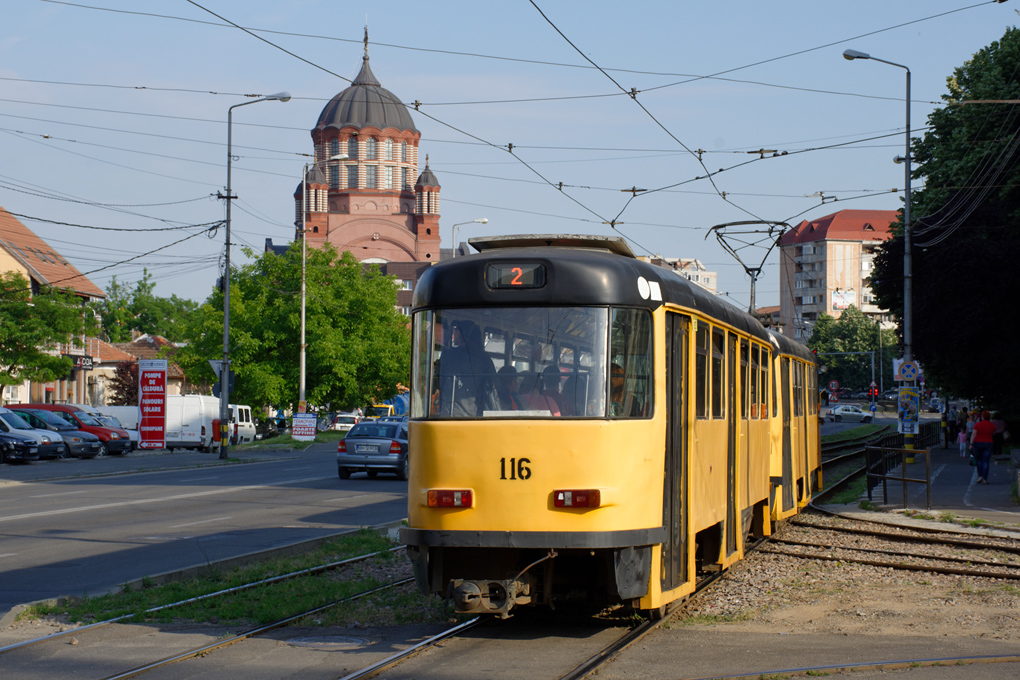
column 365, row 103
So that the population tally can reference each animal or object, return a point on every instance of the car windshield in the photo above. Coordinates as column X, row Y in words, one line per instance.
column 379, row 430
column 15, row 422
column 86, row 419
column 532, row 362
column 49, row 418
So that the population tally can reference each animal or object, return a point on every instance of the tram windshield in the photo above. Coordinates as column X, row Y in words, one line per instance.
column 533, row 362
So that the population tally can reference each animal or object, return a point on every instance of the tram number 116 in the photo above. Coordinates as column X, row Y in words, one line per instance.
column 518, row 468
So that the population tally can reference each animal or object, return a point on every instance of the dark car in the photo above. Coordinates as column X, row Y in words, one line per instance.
column 76, row 443
column 50, row 444
column 374, row 447
column 114, row 440
column 16, row 448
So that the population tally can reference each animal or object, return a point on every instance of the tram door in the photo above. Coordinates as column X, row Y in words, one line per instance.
column 732, row 423
column 674, row 493
column 784, row 390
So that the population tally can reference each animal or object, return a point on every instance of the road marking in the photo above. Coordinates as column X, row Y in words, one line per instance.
column 9, row 555
column 119, row 504
column 197, row 479
column 64, row 493
column 204, row 521
column 307, row 467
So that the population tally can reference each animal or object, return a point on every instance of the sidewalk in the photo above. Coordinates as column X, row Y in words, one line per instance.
column 954, row 488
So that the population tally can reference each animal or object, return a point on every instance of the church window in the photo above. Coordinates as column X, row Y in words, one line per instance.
column 334, row 147
column 388, row 177
column 370, row 153
column 389, row 149
column 403, row 151
column 370, row 177
column 352, row 148
column 352, row 177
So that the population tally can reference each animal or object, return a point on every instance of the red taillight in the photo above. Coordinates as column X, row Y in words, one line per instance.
column 450, row 498
column 203, row 430
column 577, row 498
column 341, row 446
column 395, row 446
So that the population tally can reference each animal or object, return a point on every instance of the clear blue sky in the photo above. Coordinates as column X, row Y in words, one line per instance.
column 113, row 114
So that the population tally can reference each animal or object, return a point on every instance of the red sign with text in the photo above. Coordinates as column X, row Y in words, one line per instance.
column 152, row 402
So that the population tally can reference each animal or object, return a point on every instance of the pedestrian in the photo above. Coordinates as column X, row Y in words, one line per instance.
column 961, row 439
column 981, row 445
column 998, row 437
column 954, row 428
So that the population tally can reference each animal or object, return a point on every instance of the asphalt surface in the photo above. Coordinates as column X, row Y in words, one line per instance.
column 676, row 652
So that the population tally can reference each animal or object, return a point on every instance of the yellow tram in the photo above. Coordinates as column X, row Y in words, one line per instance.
column 583, row 422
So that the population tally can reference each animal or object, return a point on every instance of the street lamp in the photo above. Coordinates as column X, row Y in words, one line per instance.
column 225, row 366
column 453, row 230
column 908, row 331
column 304, row 214
column 907, row 266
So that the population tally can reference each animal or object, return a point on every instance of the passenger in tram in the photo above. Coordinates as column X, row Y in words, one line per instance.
column 551, row 378
column 622, row 403
column 508, row 383
column 534, row 397
column 467, row 376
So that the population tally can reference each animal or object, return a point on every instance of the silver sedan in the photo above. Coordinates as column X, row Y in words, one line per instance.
column 850, row 413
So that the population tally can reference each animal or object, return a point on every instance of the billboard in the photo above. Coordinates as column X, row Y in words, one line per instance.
column 152, row 403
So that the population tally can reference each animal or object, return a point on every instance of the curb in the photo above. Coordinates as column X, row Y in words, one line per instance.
column 389, row 529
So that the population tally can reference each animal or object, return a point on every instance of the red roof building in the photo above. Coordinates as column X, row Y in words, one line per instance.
column 825, row 266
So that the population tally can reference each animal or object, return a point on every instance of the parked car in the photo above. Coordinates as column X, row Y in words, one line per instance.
column 935, row 405
column 113, row 421
column 891, row 394
column 374, row 447
column 77, row 443
column 50, row 444
column 850, row 413
column 115, row 440
column 16, row 448
column 343, row 422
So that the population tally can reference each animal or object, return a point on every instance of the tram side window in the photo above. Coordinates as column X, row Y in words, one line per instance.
column 701, row 371
column 718, row 355
column 421, row 362
column 775, row 391
column 630, row 356
column 743, row 380
column 757, row 409
column 766, row 363
column 798, row 389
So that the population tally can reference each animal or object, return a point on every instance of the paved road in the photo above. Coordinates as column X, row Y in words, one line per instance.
column 92, row 529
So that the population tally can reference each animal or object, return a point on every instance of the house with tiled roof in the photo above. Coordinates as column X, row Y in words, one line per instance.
column 22, row 251
column 825, row 265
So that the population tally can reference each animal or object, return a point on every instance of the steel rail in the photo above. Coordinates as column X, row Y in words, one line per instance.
column 236, row 589
column 196, row 651
column 897, row 553
column 935, row 539
column 894, row 665
column 378, row 666
column 894, row 565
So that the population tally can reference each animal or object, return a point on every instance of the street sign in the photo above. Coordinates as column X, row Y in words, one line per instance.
column 874, row 384
column 217, row 366
column 909, row 370
column 833, row 385
column 873, row 407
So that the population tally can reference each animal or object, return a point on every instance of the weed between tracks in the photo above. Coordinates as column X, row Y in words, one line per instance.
column 272, row 602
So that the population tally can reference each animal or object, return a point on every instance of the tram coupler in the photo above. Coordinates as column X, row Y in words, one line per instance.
column 491, row 596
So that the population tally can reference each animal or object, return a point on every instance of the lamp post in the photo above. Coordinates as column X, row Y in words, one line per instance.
column 304, row 214
column 908, row 329
column 453, row 230
column 225, row 366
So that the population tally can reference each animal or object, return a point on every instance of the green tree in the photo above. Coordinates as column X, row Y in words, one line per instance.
column 141, row 310
column 966, row 234
column 30, row 327
column 125, row 384
column 358, row 344
column 853, row 331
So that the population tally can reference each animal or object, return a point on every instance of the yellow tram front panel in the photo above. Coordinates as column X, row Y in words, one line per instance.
column 513, row 467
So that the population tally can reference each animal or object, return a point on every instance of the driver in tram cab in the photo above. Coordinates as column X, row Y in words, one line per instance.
column 467, row 376
column 622, row 403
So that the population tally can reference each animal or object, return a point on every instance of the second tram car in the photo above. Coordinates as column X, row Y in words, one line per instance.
column 584, row 422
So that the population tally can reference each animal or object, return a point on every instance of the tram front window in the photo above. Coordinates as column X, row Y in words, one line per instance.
column 507, row 362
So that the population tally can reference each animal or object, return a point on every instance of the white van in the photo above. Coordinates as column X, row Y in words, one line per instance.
column 242, row 426
column 189, row 421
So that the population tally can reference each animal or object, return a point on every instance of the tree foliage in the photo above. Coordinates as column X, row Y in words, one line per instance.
column 124, row 384
column 125, row 310
column 358, row 344
column 32, row 325
column 853, row 331
column 966, row 234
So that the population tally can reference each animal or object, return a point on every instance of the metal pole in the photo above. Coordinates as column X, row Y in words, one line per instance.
column 225, row 367
column 301, row 356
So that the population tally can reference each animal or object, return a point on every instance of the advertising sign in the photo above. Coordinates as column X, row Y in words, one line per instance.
column 908, row 405
column 152, row 403
column 841, row 299
column 303, row 427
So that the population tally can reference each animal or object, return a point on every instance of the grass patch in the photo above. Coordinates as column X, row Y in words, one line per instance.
column 853, row 433
column 850, row 494
column 285, row 441
column 259, row 605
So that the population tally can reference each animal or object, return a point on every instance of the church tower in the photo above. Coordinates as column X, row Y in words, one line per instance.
column 362, row 194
